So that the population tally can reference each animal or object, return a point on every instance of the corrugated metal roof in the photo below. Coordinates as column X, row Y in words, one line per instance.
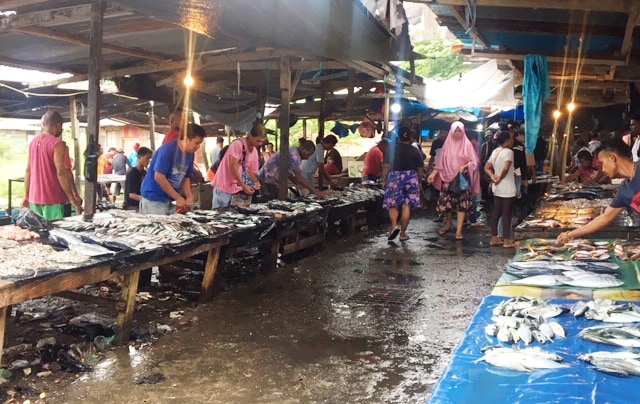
column 236, row 47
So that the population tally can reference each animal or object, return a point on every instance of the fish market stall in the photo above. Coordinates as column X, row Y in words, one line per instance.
column 116, row 244
column 588, row 269
column 557, row 215
column 558, row 356
column 354, row 207
column 298, row 225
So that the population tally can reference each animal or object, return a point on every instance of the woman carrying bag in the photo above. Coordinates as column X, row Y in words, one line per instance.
column 458, row 156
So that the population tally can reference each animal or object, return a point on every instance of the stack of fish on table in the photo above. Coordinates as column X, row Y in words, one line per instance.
column 524, row 319
column 287, row 208
column 520, row 319
column 580, row 263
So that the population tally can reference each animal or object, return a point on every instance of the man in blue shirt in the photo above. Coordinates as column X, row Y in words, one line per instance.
column 169, row 176
column 615, row 158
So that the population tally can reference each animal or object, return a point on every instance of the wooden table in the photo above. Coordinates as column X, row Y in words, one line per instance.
column 13, row 292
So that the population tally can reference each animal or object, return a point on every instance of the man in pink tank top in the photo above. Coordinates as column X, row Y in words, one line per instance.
column 48, row 179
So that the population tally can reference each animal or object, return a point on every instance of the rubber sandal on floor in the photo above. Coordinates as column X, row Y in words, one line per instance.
column 459, row 237
column 405, row 238
column 394, row 233
column 442, row 232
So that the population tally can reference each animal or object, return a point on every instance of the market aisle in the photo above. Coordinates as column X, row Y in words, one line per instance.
column 295, row 335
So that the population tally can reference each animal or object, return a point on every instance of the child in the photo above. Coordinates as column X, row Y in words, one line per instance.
column 587, row 172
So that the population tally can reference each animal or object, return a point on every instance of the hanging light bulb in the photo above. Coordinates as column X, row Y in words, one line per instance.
column 556, row 114
column 188, row 80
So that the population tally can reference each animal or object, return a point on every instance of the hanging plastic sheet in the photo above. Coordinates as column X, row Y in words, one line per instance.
column 535, row 90
column 464, row 381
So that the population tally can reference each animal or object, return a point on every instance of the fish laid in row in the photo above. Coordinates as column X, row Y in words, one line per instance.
column 607, row 311
column 620, row 363
column 522, row 360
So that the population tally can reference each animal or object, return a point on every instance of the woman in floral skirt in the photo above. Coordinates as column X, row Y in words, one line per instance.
column 402, row 173
column 458, row 156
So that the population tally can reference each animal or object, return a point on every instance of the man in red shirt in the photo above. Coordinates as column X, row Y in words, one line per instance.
column 48, row 180
column 374, row 160
column 175, row 124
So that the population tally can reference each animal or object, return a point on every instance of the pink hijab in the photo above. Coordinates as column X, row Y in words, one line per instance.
column 454, row 154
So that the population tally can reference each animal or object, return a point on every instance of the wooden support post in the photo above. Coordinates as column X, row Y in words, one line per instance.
column 3, row 322
column 93, row 100
column 126, row 306
column 75, row 129
column 386, row 115
column 285, row 111
column 152, row 126
column 210, row 270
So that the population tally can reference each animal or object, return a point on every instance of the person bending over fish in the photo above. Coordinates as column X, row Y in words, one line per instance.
column 615, row 158
column 169, row 176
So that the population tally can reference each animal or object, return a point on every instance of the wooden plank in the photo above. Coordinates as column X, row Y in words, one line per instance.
column 210, row 270
column 17, row 293
column 301, row 244
column 83, row 297
column 126, row 306
column 593, row 5
column 3, row 323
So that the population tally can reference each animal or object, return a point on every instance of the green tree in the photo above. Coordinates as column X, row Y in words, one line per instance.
column 441, row 62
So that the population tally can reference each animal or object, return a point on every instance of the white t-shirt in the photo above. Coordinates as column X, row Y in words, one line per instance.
column 507, row 187
column 309, row 166
column 634, row 150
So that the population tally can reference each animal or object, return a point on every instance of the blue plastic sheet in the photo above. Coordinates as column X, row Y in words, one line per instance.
column 467, row 382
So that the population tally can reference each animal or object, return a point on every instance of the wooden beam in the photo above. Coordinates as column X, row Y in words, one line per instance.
column 550, row 59
column 78, row 39
column 592, row 5
column 474, row 32
column 93, row 102
column 285, row 110
column 23, row 64
column 54, row 16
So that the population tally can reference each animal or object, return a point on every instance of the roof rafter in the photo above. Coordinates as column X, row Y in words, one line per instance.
column 59, row 16
column 66, row 37
column 593, row 5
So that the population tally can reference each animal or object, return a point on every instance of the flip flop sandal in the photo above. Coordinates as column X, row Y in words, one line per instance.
column 405, row 238
column 394, row 233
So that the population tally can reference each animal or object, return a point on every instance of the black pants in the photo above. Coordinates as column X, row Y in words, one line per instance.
column 502, row 207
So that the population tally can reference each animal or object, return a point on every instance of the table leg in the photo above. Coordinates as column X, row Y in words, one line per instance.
column 3, row 322
column 210, row 269
column 126, row 306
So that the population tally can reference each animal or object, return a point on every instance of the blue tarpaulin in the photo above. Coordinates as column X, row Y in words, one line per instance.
column 464, row 381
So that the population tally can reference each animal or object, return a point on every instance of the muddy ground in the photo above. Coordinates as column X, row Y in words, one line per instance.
column 304, row 333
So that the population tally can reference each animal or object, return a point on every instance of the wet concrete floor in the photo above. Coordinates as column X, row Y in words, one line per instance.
column 297, row 336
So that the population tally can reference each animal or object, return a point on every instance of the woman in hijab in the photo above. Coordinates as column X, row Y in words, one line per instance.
column 457, row 157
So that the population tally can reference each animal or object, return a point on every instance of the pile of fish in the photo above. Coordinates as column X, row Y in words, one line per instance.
column 620, row 363
column 525, row 319
column 543, row 249
column 624, row 335
column 522, row 360
column 287, row 208
column 583, row 274
column 627, row 249
column 24, row 260
column 607, row 311
column 13, row 232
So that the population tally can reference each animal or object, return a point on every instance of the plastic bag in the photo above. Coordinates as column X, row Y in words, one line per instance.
column 30, row 220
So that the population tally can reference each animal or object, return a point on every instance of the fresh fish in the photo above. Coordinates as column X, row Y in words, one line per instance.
column 614, row 334
column 558, row 329
column 617, row 363
column 593, row 281
column 540, row 280
column 524, row 332
column 522, row 360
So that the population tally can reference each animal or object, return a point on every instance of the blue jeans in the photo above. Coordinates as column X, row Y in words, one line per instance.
column 149, row 207
column 221, row 199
